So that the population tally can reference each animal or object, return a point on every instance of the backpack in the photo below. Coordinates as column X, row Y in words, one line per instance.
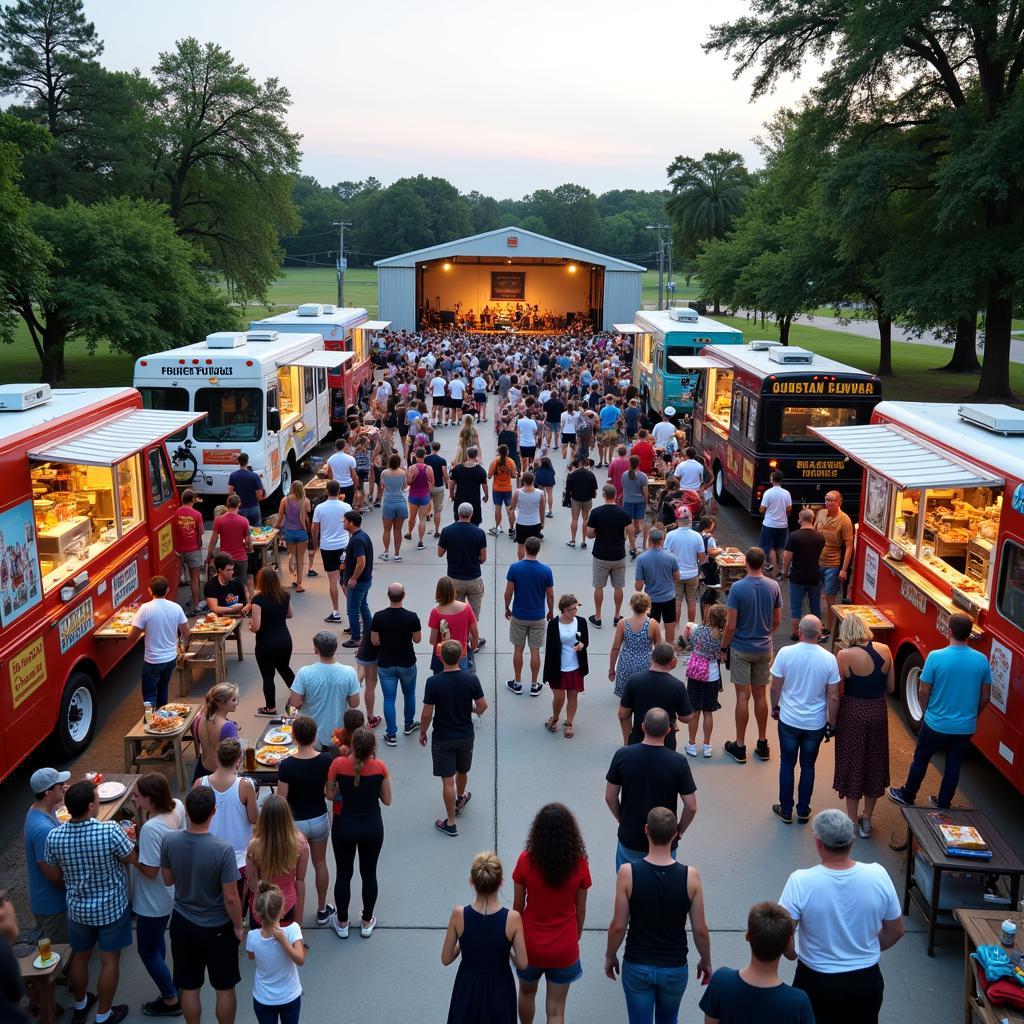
column 709, row 571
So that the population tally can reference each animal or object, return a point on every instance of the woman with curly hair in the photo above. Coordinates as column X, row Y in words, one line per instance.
column 551, row 882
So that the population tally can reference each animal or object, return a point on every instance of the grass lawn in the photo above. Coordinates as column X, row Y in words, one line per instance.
column 916, row 376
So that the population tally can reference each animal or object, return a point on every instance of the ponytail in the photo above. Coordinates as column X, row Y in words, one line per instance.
column 634, row 461
column 363, row 746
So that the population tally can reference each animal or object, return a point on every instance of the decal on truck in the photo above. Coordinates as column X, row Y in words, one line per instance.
column 165, row 542
column 75, row 625
column 28, row 671
column 19, row 563
column 221, row 456
column 124, row 584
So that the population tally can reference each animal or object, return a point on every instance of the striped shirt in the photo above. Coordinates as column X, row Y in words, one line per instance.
column 96, row 882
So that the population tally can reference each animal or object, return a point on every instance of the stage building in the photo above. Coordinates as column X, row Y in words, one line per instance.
column 507, row 279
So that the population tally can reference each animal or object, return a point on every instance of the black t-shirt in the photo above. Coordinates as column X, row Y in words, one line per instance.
column 609, row 523
column 227, row 595
column 12, row 988
column 463, row 543
column 510, row 439
column 647, row 690
column 468, row 482
column 437, row 464
column 359, row 543
column 273, row 617
column 730, row 1000
column 553, row 409
column 306, row 779
column 452, row 695
column 650, row 776
column 395, row 626
column 582, row 485
column 806, row 546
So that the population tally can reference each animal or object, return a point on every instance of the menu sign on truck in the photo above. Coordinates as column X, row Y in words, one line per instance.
column 19, row 563
column 75, row 625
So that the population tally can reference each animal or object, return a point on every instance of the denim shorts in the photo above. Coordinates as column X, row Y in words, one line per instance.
column 634, row 509
column 315, row 829
column 394, row 510
column 502, row 497
column 296, row 537
column 830, row 579
column 111, row 938
column 554, row 975
column 422, row 500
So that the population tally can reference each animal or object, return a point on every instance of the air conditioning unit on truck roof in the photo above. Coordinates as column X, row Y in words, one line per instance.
column 19, row 397
column 309, row 309
column 790, row 355
column 225, row 339
column 763, row 346
column 683, row 314
column 262, row 336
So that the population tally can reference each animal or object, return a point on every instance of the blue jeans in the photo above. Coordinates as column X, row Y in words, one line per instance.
column 793, row 744
column 285, row 1013
column 358, row 608
column 624, row 855
column 653, row 994
column 253, row 514
column 929, row 743
column 149, row 938
column 155, row 681
column 773, row 538
column 389, row 678
column 796, row 599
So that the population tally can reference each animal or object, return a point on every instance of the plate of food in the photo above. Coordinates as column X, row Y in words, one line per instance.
column 277, row 737
column 273, row 754
column 110, row 790
column 161, row 725
column 175, row 709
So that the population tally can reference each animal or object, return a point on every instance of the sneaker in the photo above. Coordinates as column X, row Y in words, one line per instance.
column 864, row 827
column 707, row 751
column 594, row 621
column 762, row 750
column 398, row 558
column 895, row 794
column 934, row 801
column 351, row 644
column 366, row 930
column 785, row 818
column 802, row 819
column 616, row 620
column 341, row 930
column 333, row 617
column 516, row 688
column 391, row 739
column 452, row 831
column 736, row 752
column 158, row 1008
column 493, row 531
column 117, row 1014
column 373, row 721
column 691, row 749
column 584, row 545
column 549, row 515
column 410, row 729
column 324, row 916
column 420, row 545
column 512, row 534
column 312, row 572
column 480, row 641
column 461, row 801
column 570, row 543
column 536, row 689
column 383, row 556
column 79, row 1016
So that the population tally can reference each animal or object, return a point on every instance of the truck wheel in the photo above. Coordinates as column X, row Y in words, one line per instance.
column 76, row 720
column 722, row 496
column 287, row 476
column 910, row 672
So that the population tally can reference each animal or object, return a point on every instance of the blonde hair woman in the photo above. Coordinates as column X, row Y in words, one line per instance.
column 469, row 437
column 634, row 640
column 213, row 725
column 278, row 853
column 293, row 520
column 451, row 619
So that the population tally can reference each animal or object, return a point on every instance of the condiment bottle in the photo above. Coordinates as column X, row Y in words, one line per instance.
column 147, row 712
column 1008, row 933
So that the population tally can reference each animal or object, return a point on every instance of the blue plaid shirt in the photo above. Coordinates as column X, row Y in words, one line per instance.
column 89, row 854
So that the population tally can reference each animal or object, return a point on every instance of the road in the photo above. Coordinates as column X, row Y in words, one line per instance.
column 742, row 851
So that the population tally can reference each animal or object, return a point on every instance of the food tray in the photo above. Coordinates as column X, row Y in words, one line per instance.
column 272, row 756
column 166, row 726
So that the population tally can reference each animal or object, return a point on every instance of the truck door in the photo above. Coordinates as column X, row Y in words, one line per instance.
column 161, row 504
column 323, row 404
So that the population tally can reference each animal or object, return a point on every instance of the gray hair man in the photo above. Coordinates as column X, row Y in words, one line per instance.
column 325, row 689
column 465, row 546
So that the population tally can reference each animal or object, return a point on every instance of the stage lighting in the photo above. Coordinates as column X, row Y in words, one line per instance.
column 447, row 265
column 572, row 268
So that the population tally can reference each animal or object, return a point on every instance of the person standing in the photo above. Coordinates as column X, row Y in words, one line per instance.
column 331, row 537
column 438, row 465
column 465, row 547
column 235, row 797
column 657, row 572
column 187, row 527
column 271, row 610
column 654, row 895
column 690, row 472
column 862, row 724
column 502, row 473
column 277, row 853
column 293, row 514
column 527, row 429
column 324, row 689
column 393, row 631
column 162, row 621
column 469, row 483
column 92, row 857
column 754, row 611
column 395, row 508
column 837, row 528
column 644, row 451
column 341, row 466
column 551, row 879
column 565, row 662
column 664, row 430
column 655, row 687
column 451, row 619
column 634, row 502
column 206, row 922
column 450, row 698
column 800, row 563
column 704, row 676
column 643, row 776
column 527, row 509
column 46, row 894
column 608, row 417
column 358, row 576
column 581, row 485
column 529, row 602
column 420, row 478
column 847, row 914
column 617, row 469
column 249, row 488
column 608, row 525
column 805, row 699
column 278, row 953
column 954, row 688
column 633, row 642
column 776, row 505
column 232, row 533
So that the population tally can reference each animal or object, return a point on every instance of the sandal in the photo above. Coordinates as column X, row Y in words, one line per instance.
column 567, row 730
column 267, row 712
column 300, row 590
column 551, row 724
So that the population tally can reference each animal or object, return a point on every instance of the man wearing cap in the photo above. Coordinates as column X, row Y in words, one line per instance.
column 664, row 431
column 687, row 545
column 45, row 888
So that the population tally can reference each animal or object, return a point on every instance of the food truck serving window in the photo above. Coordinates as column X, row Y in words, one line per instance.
column 719, row 396
column 288, row 400
column 232, row 414
column 1011, row 584
column 166, row 400
column 794, row 421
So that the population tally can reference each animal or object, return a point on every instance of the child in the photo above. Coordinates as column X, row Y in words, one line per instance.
column 278, row 952
column 342, row 738
column 704, row 685
column 362, row 457
column 710, row 574
column 544, row 478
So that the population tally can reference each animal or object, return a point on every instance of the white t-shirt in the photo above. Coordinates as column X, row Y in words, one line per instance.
column 686, row 545
column 776, row 502
column 690, row 473
column 277, row 974
column 570, row 659
column 806, row 669
column 330, row 514
column 438, row 387
column 383, row 393
column 527, row 429
column 343, row 466
column 662, row 433
column 150, row 897
column 480, row 385
column 840, row 914
column 457, row 389
column 160, row 619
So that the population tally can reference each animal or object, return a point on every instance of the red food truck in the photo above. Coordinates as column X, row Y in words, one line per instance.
column 85, row 522
column 942, row 530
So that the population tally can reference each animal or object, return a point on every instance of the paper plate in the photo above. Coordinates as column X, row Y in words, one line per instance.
column 110, row 790
column 40, row 966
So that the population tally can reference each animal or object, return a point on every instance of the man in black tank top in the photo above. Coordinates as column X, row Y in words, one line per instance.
column 653, row 898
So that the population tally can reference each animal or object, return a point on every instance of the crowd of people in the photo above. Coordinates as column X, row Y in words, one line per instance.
column 222, row 867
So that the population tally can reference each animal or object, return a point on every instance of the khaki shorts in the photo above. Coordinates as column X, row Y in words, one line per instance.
column 604, row 570
column 527, row 631
column 471, row 591
column 193, row 559
column 581, row 507
column 609, row 436
column 749, row 669
column 686, row 590
column 437, row 497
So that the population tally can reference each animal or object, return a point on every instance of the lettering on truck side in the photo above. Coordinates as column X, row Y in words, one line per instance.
column 197, row 371
column 824, row 387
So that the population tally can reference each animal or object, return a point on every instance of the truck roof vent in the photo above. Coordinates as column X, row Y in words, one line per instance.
column 683, row 314
column 225, row 339
column 19, row 397
column 763, row 346
column 1000, row 419
column 309, row 309
column 789, row 355
column 329, row 307
column 262, row 336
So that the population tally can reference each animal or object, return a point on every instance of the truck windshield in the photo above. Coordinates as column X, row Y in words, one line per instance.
column 795, row 421
column 232, row 414
column 166, row 400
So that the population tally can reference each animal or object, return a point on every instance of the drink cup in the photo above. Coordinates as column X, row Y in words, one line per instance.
column 45, row 949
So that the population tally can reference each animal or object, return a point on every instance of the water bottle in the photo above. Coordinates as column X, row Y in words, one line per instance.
column 147, row 712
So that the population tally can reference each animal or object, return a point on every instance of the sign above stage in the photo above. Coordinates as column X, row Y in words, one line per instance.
column 508, row 286
column 512, row 241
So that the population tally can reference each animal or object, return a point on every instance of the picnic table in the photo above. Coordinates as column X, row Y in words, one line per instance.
column 137, row 738
column 264, row 547
column 110, row 809
column 981, row 928
column 40, row 982
column 879, row 623
column 212, row 638
column 732, row 566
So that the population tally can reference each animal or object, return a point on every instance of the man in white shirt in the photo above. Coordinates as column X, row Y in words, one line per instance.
column 162, row 621
column 776, row 505
column 438, row 399
column 331, row 537
column 687, row 545
column 805, row 701
column 664, row 431
column 526, row 428
column 342, row 467
column 847, row 913
column 456, row 393
column 690, row 473
column 480, row 396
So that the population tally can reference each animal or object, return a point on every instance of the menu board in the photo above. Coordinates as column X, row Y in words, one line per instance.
column 19, row 563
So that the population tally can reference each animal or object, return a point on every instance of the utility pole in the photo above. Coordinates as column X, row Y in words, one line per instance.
column 342, row 262
column 661, row 260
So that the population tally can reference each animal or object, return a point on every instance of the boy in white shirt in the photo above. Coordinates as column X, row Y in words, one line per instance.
column 776, row 506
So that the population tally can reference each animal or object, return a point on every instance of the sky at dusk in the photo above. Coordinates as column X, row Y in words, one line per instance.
column 501, row 98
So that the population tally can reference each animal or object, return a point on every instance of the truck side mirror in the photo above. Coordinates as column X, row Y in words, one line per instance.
column 273, row 420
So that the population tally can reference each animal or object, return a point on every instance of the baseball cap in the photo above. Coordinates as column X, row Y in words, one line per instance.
column 684, row 513
column 670, row 410
column 43, row 778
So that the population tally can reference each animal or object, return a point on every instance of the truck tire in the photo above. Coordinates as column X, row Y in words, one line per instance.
column 287, row 476
column 76, row 719
column 722, row 496
column 910, row 671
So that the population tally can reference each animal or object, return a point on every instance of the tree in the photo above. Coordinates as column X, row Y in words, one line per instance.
column 225, row 161
column 956, row 67
column 569, row 212
column 119, row 272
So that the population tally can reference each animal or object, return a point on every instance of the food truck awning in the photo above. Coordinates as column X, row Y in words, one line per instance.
column 627, row 328
column 321, row 359
column 373, row 325
column 904, row 459
column 687, row 364
column 118, row 438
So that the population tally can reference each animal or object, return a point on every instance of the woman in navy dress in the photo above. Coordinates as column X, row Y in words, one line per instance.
column 484, row 934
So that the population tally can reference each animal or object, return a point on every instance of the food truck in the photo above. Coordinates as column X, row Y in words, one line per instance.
column 85, row 522
column 262, row 392
column 344, row 330
column 756, row 409
column 942, row 530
